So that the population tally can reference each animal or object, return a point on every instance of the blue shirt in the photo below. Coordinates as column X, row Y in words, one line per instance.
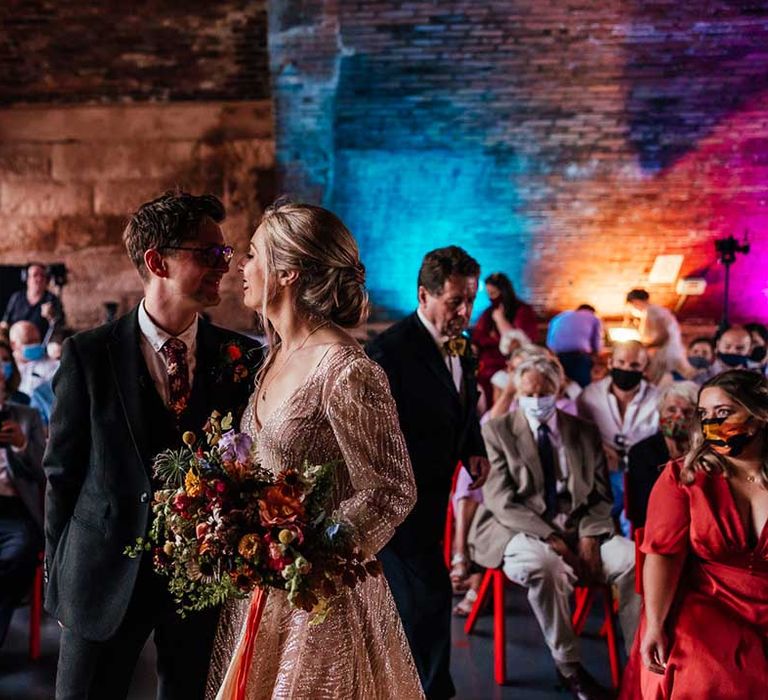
column 575, row 331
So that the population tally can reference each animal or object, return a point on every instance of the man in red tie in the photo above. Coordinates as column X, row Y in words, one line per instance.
column 124, row 393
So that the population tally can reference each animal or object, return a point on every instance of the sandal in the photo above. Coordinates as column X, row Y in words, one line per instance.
column 459, row 573
column 465, row 605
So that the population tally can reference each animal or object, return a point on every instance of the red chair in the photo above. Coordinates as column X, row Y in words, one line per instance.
column 36, row 611
column 584, row 599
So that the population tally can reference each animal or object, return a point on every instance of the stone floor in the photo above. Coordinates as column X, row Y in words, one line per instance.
column 530, row 670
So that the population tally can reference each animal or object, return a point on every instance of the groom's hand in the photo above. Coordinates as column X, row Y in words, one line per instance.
column 478, row 468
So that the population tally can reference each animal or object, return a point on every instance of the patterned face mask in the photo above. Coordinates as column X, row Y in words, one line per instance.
column 727, row 438
column 675, row 428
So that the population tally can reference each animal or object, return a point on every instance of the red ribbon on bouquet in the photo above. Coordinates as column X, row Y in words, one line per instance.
column 258, row 601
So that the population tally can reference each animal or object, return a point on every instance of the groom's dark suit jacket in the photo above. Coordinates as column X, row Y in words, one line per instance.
column 440, row 426
column 108, row 423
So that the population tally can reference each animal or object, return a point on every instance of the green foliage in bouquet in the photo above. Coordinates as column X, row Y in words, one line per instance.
column 222, row 525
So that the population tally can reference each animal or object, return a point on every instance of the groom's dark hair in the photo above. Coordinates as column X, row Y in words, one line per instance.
column 168, row 220
column 438, row 265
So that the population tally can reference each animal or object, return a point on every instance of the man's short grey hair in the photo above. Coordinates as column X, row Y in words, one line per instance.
column 688, row 391
column 549, row 367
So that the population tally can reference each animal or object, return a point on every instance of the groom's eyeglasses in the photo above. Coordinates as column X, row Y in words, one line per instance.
column 210, row 256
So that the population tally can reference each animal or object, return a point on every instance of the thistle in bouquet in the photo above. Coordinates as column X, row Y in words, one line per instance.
column 222, row 526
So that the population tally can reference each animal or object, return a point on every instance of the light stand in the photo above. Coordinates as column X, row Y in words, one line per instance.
column 727, row 248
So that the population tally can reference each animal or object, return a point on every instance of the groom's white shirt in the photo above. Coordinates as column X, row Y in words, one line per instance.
column 151, row 342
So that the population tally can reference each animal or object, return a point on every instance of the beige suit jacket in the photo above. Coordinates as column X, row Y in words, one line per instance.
column 514, row 492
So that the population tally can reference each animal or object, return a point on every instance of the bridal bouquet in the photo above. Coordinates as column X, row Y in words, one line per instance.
column 222, row 526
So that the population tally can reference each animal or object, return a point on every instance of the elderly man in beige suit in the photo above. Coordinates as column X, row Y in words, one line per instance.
column 546, row 516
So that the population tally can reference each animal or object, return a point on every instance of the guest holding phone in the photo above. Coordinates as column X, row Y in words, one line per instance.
column 21, row 514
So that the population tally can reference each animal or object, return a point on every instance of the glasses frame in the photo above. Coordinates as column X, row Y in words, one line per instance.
column 217, row 253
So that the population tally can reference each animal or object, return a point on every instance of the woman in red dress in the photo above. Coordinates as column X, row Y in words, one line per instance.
column 505, row 313
column 704, row 632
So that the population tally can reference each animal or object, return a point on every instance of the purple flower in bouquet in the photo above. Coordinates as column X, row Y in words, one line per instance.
column 235, row 447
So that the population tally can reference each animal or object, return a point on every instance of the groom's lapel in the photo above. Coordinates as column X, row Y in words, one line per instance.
column 131, row 376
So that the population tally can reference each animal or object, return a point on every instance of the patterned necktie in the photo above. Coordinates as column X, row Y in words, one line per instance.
column 175, row 353
column 547, row 459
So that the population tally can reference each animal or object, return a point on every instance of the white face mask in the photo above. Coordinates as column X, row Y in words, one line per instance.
column 538, row 407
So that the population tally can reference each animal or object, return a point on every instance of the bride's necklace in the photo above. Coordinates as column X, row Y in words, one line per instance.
column 288, row 358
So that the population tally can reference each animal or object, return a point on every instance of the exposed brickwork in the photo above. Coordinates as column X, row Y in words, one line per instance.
column 107, row 105
column 76, row 52
column 65, row 195
column 566, row 142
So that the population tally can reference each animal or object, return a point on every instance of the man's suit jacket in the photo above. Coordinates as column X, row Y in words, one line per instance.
column 440, row 427
column 513, row 495
column 98, row 462
column 26, row 466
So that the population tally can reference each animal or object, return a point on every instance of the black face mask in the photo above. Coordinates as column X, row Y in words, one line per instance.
column 626, row 379
column 733, row 360
column 758, row 353
column 698, row 362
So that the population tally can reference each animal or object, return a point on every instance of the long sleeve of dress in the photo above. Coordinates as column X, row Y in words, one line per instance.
column 363, row 417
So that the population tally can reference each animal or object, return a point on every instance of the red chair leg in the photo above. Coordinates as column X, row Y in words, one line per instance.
column 584, row 598
column 35, row 614
column 611, row 637
column 499, row 629
column 482, row 594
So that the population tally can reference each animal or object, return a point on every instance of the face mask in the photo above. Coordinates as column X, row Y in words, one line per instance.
column 758, row 353
column 727, row 438
column 733, row 360
column 7, row 371
column 539, row 408
column 32, row 353
column 626, row 379
column 698, row 362
column 674, row 428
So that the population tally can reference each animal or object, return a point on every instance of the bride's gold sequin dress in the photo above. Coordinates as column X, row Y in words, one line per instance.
column 343, row 412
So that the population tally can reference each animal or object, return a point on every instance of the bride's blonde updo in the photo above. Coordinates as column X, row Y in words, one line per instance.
column 314, row 241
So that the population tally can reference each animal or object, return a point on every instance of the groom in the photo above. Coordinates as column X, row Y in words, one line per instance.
column 124, row 393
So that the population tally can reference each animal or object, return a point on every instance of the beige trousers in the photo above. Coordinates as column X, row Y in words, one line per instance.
column 534, row 564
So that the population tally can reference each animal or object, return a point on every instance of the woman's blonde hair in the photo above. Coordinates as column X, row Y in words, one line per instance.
column 315, row 242
column 749, row 390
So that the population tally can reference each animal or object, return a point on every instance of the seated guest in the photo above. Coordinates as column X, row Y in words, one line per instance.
column 11, row 375
column 677, row 405
column 509, row 345
column 576, row 337
column 625, row 409
column 705, row 577
column 546, row 517
column 701, row 355
column 21, row 515
column 660, row 334
column 505, row 313
column 758, row 357
column 36, row 304
column 733, row 348
column 34, row 364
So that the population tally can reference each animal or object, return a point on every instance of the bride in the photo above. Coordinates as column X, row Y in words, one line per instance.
column 320, row 398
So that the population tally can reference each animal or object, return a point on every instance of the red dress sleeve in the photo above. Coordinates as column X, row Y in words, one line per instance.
column 526, row 321
column 484, row 334
column 667, row 525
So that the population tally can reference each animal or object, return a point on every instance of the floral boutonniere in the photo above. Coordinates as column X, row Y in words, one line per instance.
column 235, row 364
column 461, row 347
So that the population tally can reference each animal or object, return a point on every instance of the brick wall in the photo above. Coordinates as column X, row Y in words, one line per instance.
column 566, row 142
column 102, row 110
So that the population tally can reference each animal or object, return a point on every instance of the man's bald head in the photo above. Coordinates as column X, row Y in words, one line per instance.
column 735, row 341
column 23, row 333
column 631, row 355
